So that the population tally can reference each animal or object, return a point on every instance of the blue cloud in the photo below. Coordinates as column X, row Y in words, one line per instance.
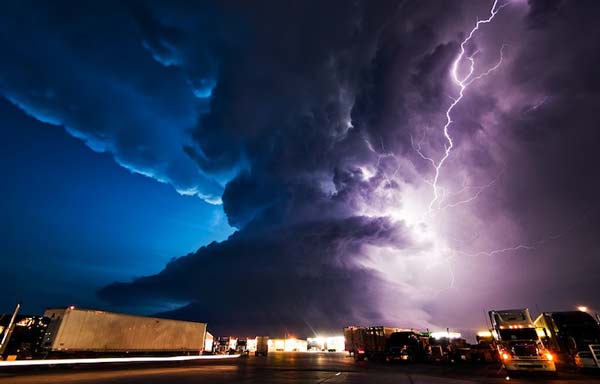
column 102, row 86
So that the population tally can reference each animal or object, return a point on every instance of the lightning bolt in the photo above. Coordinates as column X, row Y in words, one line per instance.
column 462, row 83
column 478, row 191
column 584, row 219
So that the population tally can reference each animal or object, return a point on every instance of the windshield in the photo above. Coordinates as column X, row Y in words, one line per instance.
column 518, row 334
column 580, row 326
column 401, row 338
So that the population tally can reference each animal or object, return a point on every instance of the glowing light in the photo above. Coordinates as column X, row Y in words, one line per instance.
column 288, row 345
column 582, row 308
column 445, row 335
column 541, row 333
column 104, row 360
column 549, row 356
column 484, row 334
column 329, row 343
column 335, row 343
column 505, row 356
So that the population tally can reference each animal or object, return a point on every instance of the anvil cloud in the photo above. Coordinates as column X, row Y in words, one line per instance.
column 306, row 121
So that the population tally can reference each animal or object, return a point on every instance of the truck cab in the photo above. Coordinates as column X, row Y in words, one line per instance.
column 573, row 336
column 403, row 345
column 519, row 346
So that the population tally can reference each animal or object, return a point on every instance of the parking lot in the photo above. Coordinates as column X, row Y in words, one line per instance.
column 284, row 368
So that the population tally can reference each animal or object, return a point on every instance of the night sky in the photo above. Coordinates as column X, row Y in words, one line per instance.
column 275, row 166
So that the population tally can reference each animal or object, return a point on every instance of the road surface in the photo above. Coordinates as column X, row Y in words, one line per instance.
column 329, row 368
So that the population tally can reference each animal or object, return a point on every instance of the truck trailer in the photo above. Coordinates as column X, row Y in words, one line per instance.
column 88, row 333
column 377, row 342
column 574, row 337
column 518, row 343
column 354, row 342
column 368, row 342
column 385, row 343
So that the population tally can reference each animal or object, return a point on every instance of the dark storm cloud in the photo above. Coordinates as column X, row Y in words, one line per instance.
column 309, row 113
column 285, row 102
column 291, row 277
column 84, row 66
column 557, row 131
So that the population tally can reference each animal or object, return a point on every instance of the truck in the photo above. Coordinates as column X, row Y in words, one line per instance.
column 223, row 345
column 519, row 346
column 573, row 337
column 447, row 347
column 262, row 346
column 241, row 348
column 368, row 342
column 25, row 336
column 485, row 350
column 407, row 345
column 385, row 343
column 75, row 332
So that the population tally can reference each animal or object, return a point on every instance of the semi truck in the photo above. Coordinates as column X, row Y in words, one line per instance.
column 573, row 337
column 448, row 347
column 87, row 333
column 407, row 345
column 368, row 342
column 23, row 338
column 262, row 346
column 485, row 350
column 518, row 343
column 377, row 342
column 385, row 343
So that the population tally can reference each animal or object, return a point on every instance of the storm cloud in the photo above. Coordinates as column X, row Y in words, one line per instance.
column 314, row 125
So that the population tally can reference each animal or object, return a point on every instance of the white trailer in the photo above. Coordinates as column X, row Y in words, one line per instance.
column 74, row 331
column 518, row 343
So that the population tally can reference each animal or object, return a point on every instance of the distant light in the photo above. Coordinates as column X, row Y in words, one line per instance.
column 72, row 307
column 484, row 334
column 582, row 308
column 444, row 334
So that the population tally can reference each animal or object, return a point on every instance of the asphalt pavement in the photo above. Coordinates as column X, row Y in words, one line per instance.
column 283, row 368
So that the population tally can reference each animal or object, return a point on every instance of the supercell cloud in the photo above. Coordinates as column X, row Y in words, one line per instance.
column 313, row 124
